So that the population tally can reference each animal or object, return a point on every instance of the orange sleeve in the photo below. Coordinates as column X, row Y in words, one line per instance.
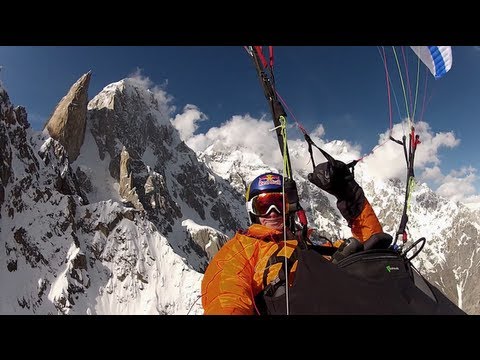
column 366, row 224
column 227, row 283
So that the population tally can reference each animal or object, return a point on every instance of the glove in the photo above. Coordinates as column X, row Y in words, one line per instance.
column 292, row 195
column 336, row 179
column 349, row 247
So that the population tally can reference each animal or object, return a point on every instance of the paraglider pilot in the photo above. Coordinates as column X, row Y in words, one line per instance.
column 250, row 263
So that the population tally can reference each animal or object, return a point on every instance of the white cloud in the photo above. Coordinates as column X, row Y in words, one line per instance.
column 339, row 149
column 241, row 132
column 464, row 171
column 456, row 189
column 388, row 160
column 162, row 97
column 257, row 136
column 473, row 202
column 186, row 123
column 433, row 174
column 318, row 132
column 140, row 80
column 385, row 161
column 458, row 185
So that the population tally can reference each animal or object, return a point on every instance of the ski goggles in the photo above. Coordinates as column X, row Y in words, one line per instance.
column 263, row 204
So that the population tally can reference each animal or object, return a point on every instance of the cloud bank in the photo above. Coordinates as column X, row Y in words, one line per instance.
column 385, row 161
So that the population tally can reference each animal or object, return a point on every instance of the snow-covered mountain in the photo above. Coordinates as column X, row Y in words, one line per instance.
column 73, row 244
column 129, row 226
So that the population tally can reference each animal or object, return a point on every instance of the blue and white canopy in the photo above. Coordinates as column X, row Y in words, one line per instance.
column 437, row 58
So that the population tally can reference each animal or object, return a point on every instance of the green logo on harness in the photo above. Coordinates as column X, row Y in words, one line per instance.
column 392, row 268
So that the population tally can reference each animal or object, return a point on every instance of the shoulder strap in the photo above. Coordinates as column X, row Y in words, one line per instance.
column 277, row 286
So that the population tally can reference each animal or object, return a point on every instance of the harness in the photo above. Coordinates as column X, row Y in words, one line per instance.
column 276, row 287
column 367, row 278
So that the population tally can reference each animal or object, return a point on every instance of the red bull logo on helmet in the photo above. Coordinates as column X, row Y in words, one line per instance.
column 270, row 180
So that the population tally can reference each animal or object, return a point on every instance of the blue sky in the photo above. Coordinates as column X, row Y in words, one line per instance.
column 342, row 88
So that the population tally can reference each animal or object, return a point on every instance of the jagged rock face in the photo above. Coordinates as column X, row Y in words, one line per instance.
column 63, row 255
column 72, row 257
column 167, row 177
column 136, row 270
column 203, row 239
column 13, row 133
column 7, row 117
column 126, row 188
column 39, row 191
column 125, row 116
column 67, row 124
column 457, row 274
column 65, row 182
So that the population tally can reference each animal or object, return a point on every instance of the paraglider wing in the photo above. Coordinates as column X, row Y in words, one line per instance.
column 437, row 58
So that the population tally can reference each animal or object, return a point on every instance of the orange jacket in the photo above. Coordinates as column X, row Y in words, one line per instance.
column 235, row 275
